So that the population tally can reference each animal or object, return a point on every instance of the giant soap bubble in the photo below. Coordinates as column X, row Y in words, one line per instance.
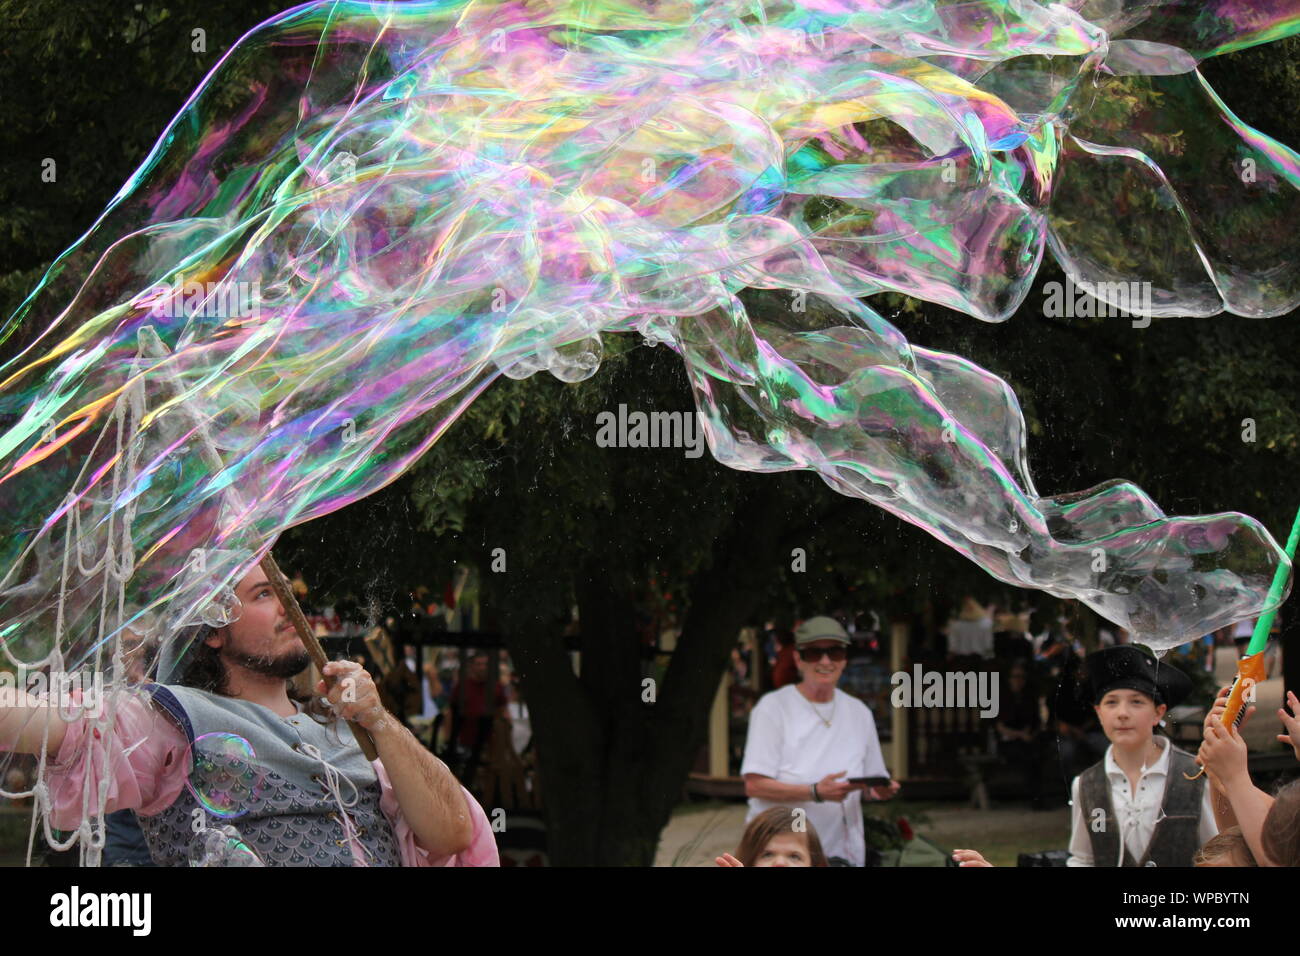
column 367, row 213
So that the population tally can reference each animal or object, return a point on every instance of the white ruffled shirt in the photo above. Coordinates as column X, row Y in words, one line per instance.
column 1137, row 813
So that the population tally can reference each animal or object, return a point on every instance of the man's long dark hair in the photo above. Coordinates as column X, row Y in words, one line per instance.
column 204, row 670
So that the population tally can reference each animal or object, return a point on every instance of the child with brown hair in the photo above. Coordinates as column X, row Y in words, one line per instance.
column 1229, row 848
column 1280, row 837
column 781, row 836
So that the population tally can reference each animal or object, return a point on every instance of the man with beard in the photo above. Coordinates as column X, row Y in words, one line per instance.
column 230, row 745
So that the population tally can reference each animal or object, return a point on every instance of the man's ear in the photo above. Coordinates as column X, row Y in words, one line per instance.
column 217, row 638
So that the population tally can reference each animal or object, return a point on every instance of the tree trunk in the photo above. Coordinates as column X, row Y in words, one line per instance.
column 612, row 764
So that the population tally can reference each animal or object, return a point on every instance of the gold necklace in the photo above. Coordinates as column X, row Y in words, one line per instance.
column 824, row 720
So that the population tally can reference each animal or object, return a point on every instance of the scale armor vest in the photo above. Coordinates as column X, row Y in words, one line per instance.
column 291, row 819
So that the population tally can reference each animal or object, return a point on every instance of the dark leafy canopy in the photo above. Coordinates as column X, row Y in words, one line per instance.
column 91, row 85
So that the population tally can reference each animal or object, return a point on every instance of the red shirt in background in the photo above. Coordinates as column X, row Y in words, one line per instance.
column 473, row 706
column 784, row 671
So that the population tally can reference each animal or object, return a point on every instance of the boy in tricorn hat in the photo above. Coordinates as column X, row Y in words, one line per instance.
column 1136, row 806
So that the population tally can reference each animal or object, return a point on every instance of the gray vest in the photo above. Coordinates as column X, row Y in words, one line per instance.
column 287, row 815
column 1174, row 841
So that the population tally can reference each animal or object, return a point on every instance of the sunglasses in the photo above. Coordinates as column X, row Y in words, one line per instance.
column 812, row 655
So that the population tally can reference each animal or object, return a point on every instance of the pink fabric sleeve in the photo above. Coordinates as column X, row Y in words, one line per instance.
column 143, row 760
column 482, row 850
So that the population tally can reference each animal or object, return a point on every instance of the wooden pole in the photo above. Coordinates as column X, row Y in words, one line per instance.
column 898, row 640
column 289, row 601
column 719, row 729
column 151, row 343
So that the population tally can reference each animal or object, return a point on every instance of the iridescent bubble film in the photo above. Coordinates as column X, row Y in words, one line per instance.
column 224, row 775
column 222, row 847
column 367, row 213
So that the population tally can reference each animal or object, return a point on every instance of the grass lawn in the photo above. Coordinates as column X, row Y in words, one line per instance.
column 1000, row 833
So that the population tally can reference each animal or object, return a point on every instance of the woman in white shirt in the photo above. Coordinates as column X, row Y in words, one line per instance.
column 807, row 740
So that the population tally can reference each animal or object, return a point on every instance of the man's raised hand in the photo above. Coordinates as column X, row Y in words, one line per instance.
column 352, row 694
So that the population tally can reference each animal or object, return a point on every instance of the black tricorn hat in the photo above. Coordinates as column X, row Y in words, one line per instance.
column 1127, row 667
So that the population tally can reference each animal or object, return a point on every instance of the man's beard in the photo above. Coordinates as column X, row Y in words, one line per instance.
column 285, row 667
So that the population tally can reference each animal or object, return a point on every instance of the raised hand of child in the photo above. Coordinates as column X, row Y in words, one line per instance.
column 1290, row 717
column 1223, row 753
column 727, row 860
column 970, row 858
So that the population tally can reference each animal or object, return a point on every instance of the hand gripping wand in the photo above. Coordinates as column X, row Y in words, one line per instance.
column 1250, row 669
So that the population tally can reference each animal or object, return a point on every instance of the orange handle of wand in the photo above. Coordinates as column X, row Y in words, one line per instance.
column 1250, row 671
